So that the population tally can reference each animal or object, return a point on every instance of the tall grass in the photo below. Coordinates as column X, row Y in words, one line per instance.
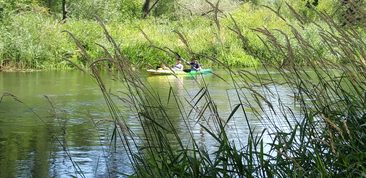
column 326, row 139
column 33, row 38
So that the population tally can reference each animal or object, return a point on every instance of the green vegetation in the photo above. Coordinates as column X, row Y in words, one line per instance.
column 325, row 140
column 32, row 31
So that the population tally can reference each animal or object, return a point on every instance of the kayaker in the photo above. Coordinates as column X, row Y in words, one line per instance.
column 162, row 67
column 178, row 65
column 194, row 65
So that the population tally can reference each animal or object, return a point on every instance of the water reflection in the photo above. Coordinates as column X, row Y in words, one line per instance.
column 76, row 140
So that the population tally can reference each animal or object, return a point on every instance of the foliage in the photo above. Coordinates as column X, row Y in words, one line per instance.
column 29, row 42
column 205, row 31
column 114, row 10
column 165, row 7
column 325, row 138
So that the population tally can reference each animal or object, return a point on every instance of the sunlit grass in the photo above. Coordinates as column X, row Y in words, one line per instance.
column 34, row 39
column 324, row 138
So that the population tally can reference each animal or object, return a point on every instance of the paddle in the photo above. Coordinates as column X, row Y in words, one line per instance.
column 187, row 70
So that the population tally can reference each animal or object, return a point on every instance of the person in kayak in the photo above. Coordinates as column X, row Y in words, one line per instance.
column 194, row 65
column 162, row 67
column 178, row 65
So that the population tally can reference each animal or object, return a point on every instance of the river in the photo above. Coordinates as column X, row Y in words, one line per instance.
column 56, row 123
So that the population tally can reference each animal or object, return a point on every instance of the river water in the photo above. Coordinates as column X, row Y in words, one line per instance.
column 56, row 124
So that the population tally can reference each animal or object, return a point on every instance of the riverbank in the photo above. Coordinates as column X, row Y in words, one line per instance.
column 36, row 39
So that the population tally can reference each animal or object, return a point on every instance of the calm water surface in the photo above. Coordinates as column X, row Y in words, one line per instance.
column 57, row 124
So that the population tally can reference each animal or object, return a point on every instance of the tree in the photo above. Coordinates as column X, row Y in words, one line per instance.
column 64, row 10
column 55, row 6
column 146, row 8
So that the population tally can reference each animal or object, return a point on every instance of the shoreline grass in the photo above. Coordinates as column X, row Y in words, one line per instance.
column 34, row 39
column 325, row 139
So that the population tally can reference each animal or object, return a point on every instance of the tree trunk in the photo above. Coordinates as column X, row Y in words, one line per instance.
column 146, row 9
column 64, row 10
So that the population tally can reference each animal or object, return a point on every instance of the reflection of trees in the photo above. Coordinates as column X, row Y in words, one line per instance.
column 24, row 149
column 40, row 142
column 27, row 145
column 8, row 153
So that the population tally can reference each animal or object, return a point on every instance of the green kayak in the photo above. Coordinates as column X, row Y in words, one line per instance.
column 171, row 72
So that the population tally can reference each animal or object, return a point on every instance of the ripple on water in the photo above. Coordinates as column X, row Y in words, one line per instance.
column 94, row 161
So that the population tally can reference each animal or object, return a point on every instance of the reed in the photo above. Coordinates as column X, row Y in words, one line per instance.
column 324, row 139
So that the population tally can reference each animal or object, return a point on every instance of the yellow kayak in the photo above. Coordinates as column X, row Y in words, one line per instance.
column 178, row 72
